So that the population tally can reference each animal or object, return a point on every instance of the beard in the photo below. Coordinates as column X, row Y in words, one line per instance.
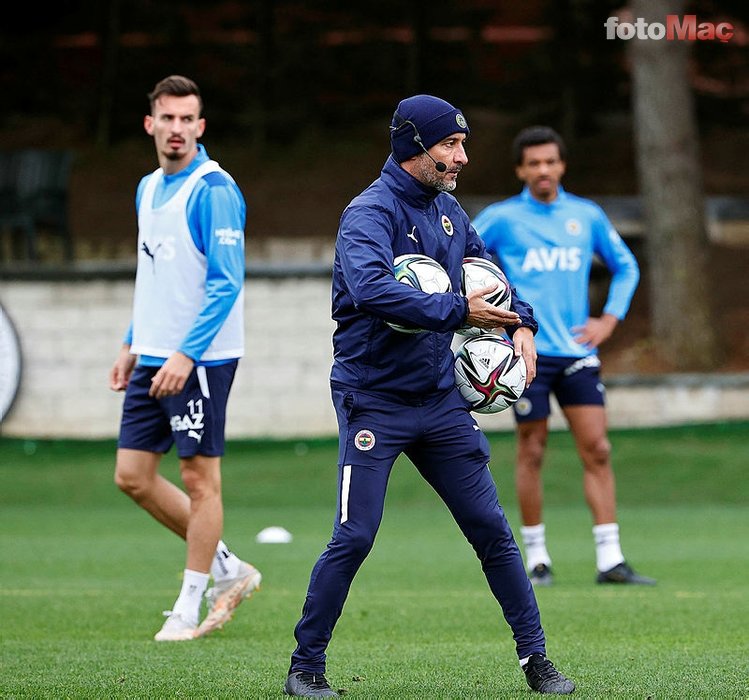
column 430, row 176
column 446, row 185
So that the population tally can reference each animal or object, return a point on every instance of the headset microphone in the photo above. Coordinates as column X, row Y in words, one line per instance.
column 439, row 165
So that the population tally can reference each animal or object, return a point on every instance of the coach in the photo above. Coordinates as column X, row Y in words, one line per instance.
column 395, row 392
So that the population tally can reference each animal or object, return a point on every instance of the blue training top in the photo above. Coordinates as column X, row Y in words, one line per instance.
column 546, row 251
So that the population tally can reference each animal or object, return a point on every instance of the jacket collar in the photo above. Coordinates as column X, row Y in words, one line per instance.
column 406, row 186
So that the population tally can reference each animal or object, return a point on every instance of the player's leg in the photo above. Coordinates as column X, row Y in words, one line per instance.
column 532, row 436
column 531, row 446
column 198, row 435
column 581, row 396
column 201, row 477
column 588, row 427
column 197, row 418
column 531, row 415
column 145, row 434
column 200, row 439
column 370, row 439
column 136, row 474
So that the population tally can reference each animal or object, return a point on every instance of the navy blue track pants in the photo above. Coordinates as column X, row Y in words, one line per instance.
column 442, row 440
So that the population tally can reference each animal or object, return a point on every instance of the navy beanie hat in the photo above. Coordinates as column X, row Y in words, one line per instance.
column 433, row 119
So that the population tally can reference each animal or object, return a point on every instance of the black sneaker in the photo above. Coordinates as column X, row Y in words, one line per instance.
column 544, row 678
column 623, row 573
column 540, row 575
column 304, row 684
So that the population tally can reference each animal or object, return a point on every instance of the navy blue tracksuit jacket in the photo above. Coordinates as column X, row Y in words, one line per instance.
column 396, row 215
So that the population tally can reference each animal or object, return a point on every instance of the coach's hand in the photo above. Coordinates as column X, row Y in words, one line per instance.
column 482, row 314
column 172, row 375
column 525, row 345
column 119, row 375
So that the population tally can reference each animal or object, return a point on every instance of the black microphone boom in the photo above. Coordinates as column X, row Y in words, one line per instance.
column 438, row 164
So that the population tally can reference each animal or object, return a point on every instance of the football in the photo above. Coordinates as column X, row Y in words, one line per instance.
column 477, row 273
column 488, row 374
column 420, row 272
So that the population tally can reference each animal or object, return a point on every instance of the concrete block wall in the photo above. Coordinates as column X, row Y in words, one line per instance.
column 71, row 330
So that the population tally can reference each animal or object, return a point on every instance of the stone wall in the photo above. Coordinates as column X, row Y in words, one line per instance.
column 71, row 328
column 71, row 332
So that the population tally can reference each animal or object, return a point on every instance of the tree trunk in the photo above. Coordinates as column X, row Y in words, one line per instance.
column 671, row 185
column 110, row 40
column 264, row 100
column 415, row 73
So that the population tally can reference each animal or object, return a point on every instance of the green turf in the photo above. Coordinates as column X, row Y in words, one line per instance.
column 84, row 575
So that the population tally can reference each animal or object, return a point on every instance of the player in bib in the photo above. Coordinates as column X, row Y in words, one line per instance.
column 180, row 354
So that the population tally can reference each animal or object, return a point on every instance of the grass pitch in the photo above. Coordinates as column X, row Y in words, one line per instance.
column 84, row 575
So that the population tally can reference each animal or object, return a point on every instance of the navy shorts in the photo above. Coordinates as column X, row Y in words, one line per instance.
column 194, row 419
column 574, row 381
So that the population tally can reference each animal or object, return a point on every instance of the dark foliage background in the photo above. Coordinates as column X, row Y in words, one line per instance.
column 272, row 69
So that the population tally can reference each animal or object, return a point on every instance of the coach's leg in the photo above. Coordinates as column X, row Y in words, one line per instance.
column 453, row 457
column 136, row 474
column 588, row 426
column 361, row 498
column 469, row 492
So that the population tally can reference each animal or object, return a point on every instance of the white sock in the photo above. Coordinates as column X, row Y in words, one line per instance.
column 225, row 564
column 190, row 597
column 534, row 544
column 608, row 549
column 524, row 661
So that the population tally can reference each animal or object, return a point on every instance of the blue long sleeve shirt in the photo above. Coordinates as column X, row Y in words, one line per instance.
column 547, row 250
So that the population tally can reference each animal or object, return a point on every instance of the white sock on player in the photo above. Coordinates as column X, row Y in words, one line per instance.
column 534, row 544
column 608, row 549
column 225, row 563
column 190, row 597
